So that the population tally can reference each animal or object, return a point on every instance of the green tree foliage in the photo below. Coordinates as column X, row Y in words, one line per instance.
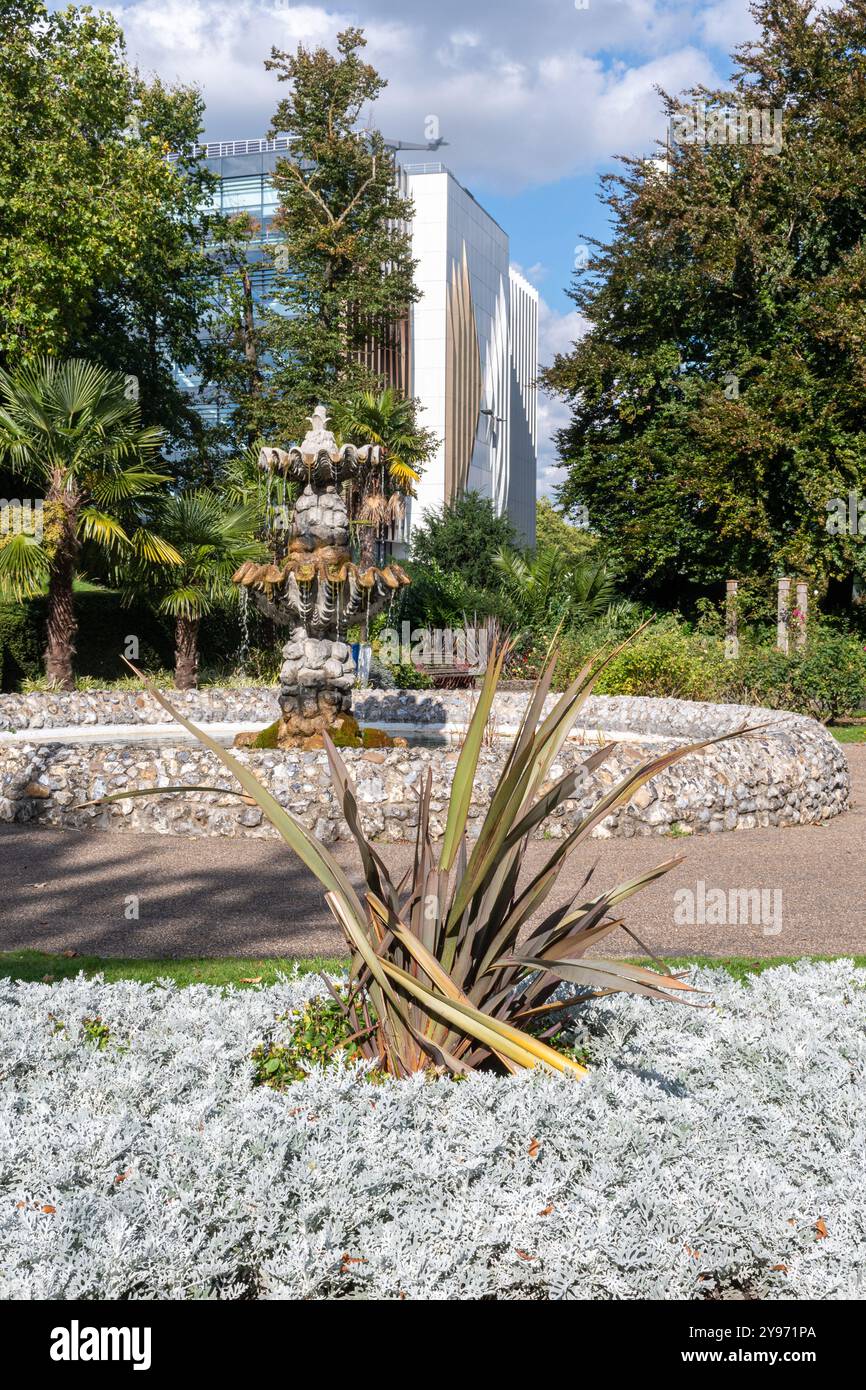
column 441, row 598
column 553, row 527
column 344, row 274
column 451, row 564
column 547, row 588
column 69, row 433
column 462, row 537
column 100, row 233
column 717, row 397
column 234, row 351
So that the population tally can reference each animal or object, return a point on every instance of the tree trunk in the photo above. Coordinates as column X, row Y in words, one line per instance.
column 367, row 545
column 186, row 653
column 62, row 625
column 248, row 332
column 366, row 554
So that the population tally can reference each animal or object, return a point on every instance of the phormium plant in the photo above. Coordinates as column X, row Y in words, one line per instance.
column 440, row 974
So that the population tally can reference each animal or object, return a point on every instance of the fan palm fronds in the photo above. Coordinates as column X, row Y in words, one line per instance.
column 547, row 587
column 70, row 432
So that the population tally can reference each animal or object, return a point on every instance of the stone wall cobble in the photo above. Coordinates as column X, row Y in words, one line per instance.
column 792, row 772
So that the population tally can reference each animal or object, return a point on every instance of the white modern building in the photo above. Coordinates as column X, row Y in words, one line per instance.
column 471, row 355
column 474, row 352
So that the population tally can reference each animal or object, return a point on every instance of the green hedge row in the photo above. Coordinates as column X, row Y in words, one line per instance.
column 103, row 628
column 104, row 625
column 826, row 679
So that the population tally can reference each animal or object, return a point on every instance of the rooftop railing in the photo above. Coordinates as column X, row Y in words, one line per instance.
column 434, row 168
column 220, row 149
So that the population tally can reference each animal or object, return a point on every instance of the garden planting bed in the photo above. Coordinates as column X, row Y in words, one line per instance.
column 791, row 773
column 713, row 1153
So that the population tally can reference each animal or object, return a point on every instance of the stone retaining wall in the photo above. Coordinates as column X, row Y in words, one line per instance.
column 668, row 718
column 791, row 773
column 49, row 710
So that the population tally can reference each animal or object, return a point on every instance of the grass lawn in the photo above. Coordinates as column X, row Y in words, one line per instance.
column 849, row 733
column 202, row 970
column 232, row 970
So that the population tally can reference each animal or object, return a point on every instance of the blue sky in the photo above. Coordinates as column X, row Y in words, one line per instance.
column 535, row 99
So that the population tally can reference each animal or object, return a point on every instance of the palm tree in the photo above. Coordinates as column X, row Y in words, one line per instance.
column 387, row 419
column 212, row 540
column 547, row 587
column 69, row 432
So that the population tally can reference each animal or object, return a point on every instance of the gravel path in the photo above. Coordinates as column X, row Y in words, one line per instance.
column 70, row 890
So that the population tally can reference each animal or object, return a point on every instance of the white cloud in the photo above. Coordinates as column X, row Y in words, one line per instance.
column 527, row 95
column 727, row 23
column 556, row 334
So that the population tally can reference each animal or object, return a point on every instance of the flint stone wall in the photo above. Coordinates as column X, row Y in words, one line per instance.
column 791, row 773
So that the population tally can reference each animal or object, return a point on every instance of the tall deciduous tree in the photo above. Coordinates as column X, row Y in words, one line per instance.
column 101, row 249
column 718, row 394
column 235, row 351
column 344, row 273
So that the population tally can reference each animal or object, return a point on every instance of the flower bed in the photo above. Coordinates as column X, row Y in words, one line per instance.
column 712, row 1153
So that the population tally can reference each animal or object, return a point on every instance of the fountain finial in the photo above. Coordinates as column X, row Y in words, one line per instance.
column 318, row 438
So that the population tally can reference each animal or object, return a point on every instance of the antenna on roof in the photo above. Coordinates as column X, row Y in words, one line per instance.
column 409, row 145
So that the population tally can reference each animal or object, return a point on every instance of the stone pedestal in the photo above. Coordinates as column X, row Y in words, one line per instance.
column 316, row 680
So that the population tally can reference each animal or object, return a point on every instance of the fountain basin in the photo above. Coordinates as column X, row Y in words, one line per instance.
column 54, row 756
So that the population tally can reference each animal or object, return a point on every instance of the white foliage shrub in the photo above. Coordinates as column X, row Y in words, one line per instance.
column 697, row 1158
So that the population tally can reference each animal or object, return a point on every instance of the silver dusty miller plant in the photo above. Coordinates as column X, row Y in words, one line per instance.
column 138, row 1159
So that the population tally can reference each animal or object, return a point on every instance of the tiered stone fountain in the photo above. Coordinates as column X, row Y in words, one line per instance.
column 313, row 586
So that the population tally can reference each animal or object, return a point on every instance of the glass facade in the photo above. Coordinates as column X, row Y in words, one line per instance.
column 246, row 185
column 244, row 169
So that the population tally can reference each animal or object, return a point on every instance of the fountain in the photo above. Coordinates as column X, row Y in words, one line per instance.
column 313, row 586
